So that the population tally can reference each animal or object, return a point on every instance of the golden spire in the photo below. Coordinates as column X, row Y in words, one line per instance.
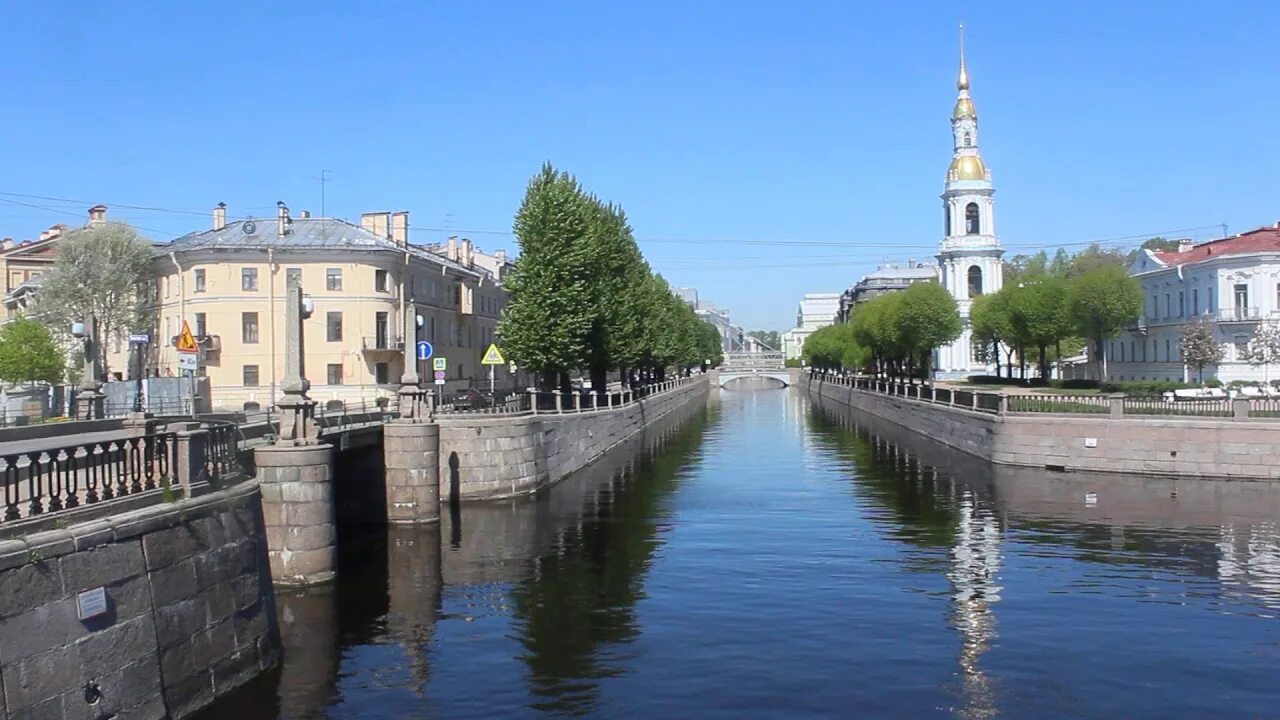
column 963, row 82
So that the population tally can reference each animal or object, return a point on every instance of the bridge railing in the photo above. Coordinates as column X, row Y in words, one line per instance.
column 748, row 361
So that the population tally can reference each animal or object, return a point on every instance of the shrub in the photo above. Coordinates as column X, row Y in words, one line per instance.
column 791, row 363
column 1075, row 384
column 1143, row 387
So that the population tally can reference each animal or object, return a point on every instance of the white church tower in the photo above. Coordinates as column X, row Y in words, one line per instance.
column 969, row 259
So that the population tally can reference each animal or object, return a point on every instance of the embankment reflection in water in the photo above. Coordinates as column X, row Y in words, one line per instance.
column 1223, row 530
column 565, row 566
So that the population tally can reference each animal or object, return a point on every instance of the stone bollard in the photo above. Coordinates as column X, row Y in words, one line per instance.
column 412, row 459
column 1116, row 402
column 297, row 507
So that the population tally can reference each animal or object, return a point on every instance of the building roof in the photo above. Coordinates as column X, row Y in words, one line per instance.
column 895, row 272
column 1264, row 239
column 304, row 233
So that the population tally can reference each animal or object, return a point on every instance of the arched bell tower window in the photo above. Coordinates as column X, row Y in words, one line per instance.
column 971, row 224
column 975, row 281
column 946, row 218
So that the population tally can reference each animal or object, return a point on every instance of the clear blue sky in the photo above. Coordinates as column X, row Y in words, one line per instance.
column 818, row 122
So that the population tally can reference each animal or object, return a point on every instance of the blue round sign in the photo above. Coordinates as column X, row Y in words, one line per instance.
column 424, row 350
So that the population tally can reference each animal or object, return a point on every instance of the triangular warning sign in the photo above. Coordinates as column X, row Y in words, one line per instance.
column 187, row 341
column 493, row 356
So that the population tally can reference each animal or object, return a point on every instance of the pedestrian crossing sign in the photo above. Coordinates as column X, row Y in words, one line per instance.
column 187, row 341
column 493, row 356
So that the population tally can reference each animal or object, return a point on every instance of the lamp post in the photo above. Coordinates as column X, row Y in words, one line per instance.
column 297, row 421
column 90, row 386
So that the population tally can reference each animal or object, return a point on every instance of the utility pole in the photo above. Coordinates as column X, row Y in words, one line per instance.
column 324, row 178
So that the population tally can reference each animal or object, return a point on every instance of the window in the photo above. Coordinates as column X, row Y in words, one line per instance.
column 199, row 275
column 968, row 139
column 1133, row 355
column 334, row 372
column 201, row 329
column 292, row 274
column 1182, row 307
column 975, row 281
column 1168, row 306
column 381, row 281
column 249, row 279
column 251, row 376
column 946, row 218
column 333, row 326
column 1242, row 299
column 1242, row 347
column 1195, row 301
column 1168, row 354
column 381, row 336
column 249, row 327
column 381, row 373
column 333, row 279
column 971, row 224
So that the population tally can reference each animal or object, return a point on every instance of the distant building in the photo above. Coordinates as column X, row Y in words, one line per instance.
column 1232, row 283
column 817, row 310
column 887, row 278
column 731, row 336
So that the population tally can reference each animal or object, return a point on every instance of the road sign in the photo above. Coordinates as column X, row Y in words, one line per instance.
column 439, row 364
column 187, row 341
column 424, row 350
column 188, row 361
column 493, row 356
column 439, row 381
column 139, row 339
column 439, row 374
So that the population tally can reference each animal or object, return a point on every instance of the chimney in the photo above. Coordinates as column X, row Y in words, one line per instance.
column 501, row 255
column 376, row 223
column 220, row 216
column 97, row 214
column 6, row 243
column 400, row 228
column 466, row 257
column 1184, row 245
column 304, row 214
column 451, row 249
column 283, row 221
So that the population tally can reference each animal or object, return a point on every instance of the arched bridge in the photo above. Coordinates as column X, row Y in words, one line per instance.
column 746, row 367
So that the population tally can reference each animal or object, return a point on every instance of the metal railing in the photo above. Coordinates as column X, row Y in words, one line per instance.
column 49, row 480
column 534, row 402
column 1114, row 405
column 746, row 361
column 222, row 458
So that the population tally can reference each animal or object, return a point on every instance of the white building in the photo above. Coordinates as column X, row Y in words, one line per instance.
column 731, row 336
column 1234, row 283
column 969, row 258
column 817, row 310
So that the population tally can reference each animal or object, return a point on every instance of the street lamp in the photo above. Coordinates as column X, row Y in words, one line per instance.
column 90, row 387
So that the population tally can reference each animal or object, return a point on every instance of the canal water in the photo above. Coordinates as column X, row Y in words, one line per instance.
column 778, row 557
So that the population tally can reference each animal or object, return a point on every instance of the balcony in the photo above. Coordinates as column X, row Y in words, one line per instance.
column 1238, row 314
column 382, row 344
column 210, row 343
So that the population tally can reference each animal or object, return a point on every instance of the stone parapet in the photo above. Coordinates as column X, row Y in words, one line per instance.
column 1166, row 446
column 298, row 510
column 189, row 612
column 487, row 457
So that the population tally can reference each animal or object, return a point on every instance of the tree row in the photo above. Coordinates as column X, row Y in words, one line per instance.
column 583, row 299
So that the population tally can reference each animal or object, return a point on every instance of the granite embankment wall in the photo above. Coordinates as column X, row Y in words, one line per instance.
column 493, row 457
column 190, row 613
column 1191, row 447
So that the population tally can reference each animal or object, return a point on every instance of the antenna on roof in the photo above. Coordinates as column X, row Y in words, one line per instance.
column 1224, row 229
column 324, row 178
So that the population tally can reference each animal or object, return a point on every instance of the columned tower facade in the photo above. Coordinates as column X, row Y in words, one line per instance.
column 969, row 258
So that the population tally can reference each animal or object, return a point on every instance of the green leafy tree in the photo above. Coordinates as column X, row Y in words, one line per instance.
column 1094, row 257
column 551, row 312
column 29, row 354
column 1039, row 316
column 1199, row 346
column 1102, row 302
column 990, row 324
column 100, row 272
column 928, row 318
column 770, row 338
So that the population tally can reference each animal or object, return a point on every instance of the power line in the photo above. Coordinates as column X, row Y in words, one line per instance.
column 118, row 205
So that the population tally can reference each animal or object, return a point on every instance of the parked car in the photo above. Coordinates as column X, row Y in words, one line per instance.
column 471, row 399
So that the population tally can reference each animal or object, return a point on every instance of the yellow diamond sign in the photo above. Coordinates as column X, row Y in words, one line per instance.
column 493, row 356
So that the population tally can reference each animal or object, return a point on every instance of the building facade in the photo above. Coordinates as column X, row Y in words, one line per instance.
column 732, row 337
column 887, row 278
column 228, row 284
column 1232, row 283
column 817, row 310
column 969, row 259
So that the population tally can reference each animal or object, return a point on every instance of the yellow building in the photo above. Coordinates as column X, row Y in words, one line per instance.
column 22, row 264
column 229, row 282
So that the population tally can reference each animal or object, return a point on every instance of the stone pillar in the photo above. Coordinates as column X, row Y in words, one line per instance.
column 1240, row 408
column 297, row 508
column 89, row 396
column 192, row 456
column 412, row 459
column 1116, row 405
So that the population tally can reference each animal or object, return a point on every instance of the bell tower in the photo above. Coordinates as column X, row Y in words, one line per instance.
column 969, row 257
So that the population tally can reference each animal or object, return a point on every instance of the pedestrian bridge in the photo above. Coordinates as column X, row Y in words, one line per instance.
column 761, row 367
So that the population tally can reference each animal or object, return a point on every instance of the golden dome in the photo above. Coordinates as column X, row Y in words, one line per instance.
column 967, row 167
column 964, row 109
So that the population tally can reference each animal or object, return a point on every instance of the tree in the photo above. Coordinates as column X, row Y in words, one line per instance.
column 1264, row 348
column 1038, row 316
column 29, row 354
column 1102, row 302
column 928, row 317
column 1095, row 256
column 100, row 272
column 991, row 328
column 1199, row 346
column 551, row 308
